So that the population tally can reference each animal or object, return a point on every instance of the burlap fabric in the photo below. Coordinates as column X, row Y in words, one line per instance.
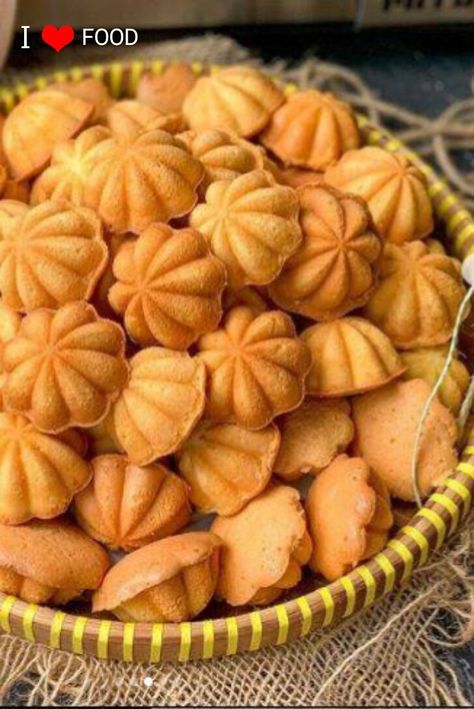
column 393, row 654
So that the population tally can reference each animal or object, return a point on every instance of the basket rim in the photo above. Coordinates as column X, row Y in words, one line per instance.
column 322, row 607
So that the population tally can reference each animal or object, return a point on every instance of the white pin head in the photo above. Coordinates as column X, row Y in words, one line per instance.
column 468, row 269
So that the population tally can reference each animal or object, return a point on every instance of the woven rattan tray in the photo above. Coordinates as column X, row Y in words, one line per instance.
column 323, row 607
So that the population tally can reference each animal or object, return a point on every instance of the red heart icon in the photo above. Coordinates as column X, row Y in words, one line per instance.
column 57, row 38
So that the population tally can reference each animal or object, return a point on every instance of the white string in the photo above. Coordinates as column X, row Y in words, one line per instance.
column 466, row 406
column 439, row 383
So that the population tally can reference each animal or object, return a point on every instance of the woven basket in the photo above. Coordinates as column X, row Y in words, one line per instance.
column 324, row 607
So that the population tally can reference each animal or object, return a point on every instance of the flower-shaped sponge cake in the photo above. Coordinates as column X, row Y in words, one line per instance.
column 71, row 164
column 37, row 124
column 39, row 474
column 311, row 129
column 100, row 296
column 130, row 181
column 170, row 580
column 128, row 506
column 350, row 355
column 252, row 226
column 161, row 404
column 428, row 364
column 92, row 91
column 49, row 254
column 395, row 191
column 227, row 465
column 256, row 367
column 386, row 424
column 418, row 297
column 349, row 516
column 10, row 322
column 249, row 296
column 295, row 176
column 10, row 208
column 223, row 156
column 311, row 436
column 239, row 99
column 128, row 118
column 168, row 287
column 49, row 562
column 166, row 91
column 64, row 368
column 265, row 546
column 335, row 268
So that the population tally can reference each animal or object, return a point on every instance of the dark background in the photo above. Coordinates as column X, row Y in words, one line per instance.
column 422, row 69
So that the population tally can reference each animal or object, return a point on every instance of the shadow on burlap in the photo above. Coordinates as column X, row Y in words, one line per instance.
column 393, row 654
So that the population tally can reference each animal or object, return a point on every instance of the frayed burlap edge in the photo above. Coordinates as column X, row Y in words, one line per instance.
column 393, row 654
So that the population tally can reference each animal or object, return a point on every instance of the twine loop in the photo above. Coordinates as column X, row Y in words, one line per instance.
column 467, row 401
column 448, row 140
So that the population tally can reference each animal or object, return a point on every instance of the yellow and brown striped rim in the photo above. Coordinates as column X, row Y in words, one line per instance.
column 407, row 551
